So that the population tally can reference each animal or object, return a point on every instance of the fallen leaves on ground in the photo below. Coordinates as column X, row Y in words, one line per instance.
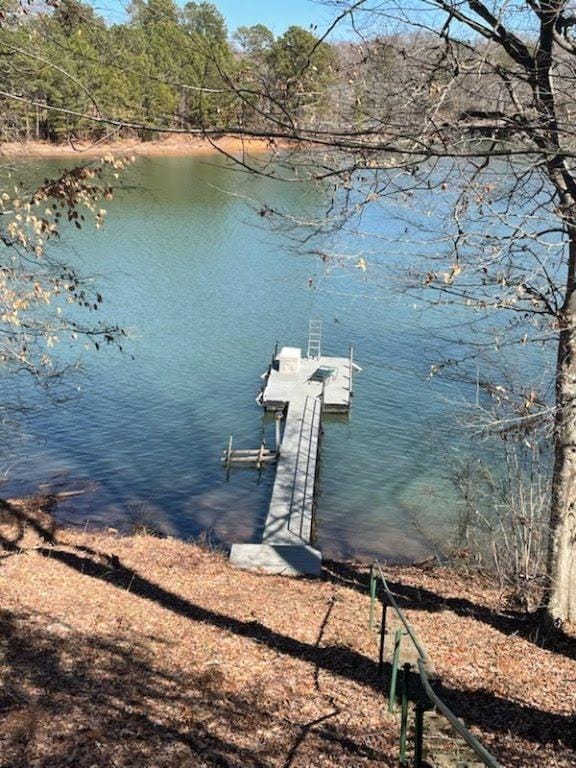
column 141, row 651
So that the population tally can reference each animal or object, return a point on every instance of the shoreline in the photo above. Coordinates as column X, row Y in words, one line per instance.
column 171, row 146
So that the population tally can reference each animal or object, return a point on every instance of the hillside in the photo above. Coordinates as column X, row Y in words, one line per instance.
column 140, row 651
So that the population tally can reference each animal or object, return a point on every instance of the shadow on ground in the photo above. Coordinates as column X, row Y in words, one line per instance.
column 188, row 715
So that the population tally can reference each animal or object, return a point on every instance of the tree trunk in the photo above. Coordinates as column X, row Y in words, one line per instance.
column 562, row 545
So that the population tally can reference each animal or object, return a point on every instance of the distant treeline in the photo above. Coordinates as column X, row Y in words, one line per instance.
column 67, row 72
column 166, row 66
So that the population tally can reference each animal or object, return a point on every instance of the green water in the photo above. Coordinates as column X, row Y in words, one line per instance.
column 205, row 290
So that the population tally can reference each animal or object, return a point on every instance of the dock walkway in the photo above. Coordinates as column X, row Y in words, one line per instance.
column 289, row 518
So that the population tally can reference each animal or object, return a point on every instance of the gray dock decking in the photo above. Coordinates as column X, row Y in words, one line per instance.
column 288, row 531
column 289, row 518
column 281, row 388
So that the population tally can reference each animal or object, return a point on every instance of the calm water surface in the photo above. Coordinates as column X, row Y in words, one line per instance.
column 205, row 292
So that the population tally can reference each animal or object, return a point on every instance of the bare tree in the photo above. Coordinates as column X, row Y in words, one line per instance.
column 45, row 301
column 502, row 520
column 471, row 120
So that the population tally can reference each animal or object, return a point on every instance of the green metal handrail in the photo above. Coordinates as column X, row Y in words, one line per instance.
column 458, row 726
column 422, row 652
column 423, row 663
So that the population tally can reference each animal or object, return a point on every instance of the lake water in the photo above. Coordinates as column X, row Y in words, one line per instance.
column 205, row 290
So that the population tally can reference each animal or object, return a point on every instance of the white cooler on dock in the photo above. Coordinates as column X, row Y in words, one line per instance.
column 289, row 360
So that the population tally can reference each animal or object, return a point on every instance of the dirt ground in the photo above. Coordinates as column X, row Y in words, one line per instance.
column 142, row 651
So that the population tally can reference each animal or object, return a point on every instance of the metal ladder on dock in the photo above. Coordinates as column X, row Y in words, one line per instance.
column 315, row 338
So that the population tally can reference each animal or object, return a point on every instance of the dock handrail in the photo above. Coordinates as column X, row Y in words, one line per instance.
column 423, row 664
column 298, row 453
column 317, row 403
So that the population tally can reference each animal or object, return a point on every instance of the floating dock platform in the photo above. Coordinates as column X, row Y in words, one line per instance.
column 282, row 388
column 304, row 388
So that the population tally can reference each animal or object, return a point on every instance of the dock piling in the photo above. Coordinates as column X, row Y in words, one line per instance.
column 277, row 419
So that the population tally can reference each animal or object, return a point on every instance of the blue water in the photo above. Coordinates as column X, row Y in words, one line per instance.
column 205, row 287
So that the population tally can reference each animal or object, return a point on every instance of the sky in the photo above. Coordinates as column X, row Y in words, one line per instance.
column 278, row 15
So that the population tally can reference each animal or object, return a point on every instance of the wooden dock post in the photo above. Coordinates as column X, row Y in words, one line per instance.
column 260, row 457
column 278, row 416
column 351, row 369
column 228, row 457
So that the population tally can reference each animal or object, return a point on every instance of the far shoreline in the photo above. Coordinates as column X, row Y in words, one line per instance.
column 171, row 146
